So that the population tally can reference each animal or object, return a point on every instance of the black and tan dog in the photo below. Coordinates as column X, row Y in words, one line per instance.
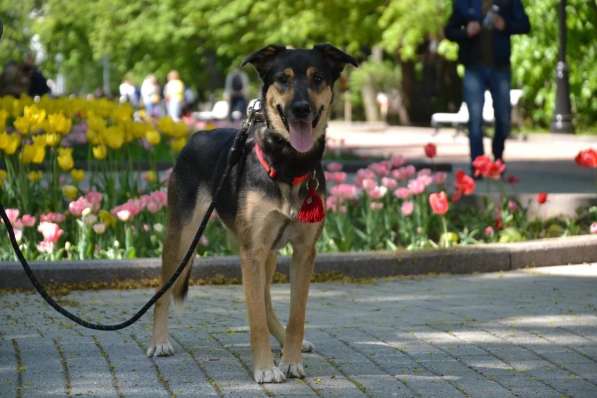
column 260, row 201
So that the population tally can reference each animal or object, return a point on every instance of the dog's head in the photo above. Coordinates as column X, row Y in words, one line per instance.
column 298, row 89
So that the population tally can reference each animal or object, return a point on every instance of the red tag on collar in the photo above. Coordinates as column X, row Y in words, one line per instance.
column 312, row 209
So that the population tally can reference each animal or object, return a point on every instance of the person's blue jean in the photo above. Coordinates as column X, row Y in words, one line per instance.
column 497, row 80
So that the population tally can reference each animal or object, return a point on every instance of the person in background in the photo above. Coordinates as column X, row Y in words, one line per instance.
column 174, row 95
column 150, row 95
column 38, row 84
column 482, row 29
column 128, row 92
column 235, row 92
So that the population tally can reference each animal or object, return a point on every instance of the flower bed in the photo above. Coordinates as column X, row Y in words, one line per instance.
column 110, row 211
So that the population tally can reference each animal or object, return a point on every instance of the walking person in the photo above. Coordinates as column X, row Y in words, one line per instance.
column 482, row 29
column 150, row 95
column 235, row 92
column 174, row 95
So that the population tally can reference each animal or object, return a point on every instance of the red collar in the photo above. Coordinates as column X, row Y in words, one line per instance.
column 269, row 169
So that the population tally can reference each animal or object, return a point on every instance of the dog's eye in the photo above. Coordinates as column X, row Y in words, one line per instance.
column 282, row 78
column 317, row 79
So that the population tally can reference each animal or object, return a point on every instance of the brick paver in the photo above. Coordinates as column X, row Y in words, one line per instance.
column 530, row 333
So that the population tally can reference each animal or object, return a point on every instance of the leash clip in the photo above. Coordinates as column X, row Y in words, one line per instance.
column 254, row 113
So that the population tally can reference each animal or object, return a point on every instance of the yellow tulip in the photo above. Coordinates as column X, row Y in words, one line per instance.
column 107, row 218
column 58, row 123
column 114, row 137
column 99, row 152
column 52, row 139
column 3, row 176
column 9, row 142
column 150, row 176
column 34, row 176
column 177, row 144
column 33, row 153
column 77, row 175
column 70, row 192
column 22, row 124
column 65, row 158
column 35, row 116
column 152, row 136
column 3, row 117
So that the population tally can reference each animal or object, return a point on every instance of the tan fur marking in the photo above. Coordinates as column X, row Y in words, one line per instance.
column 273, row 97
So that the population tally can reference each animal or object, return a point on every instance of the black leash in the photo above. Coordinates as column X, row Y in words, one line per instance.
column 234, row 156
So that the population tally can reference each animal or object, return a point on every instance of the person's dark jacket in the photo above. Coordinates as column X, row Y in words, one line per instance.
column 465, row 11
column 39, row 84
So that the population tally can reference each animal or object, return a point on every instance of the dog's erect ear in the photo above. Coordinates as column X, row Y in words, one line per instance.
column 335, row 57
column 263, row 58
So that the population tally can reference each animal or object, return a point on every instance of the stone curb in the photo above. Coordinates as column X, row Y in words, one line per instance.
column 461, row 260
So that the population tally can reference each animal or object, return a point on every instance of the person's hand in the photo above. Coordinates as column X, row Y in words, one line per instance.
column 473, row 28
column 499, row 23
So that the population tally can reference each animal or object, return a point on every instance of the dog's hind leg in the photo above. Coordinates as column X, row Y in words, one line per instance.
column 179, row 235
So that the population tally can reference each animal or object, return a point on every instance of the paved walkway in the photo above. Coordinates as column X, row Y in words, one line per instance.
column 529, row 333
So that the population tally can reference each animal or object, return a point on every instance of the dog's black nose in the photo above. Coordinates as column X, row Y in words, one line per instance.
column 301, row 109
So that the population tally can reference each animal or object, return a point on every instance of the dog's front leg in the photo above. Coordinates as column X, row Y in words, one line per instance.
column 301, row 269
column 254, row 280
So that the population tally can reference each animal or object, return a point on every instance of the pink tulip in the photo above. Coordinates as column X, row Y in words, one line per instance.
column 397, row 161
column 95, row 198
column 153, row 206
column 416, row 186
column 28, row 220
column 13, row 215
column 377, row 192
column 331, row 203
column 512, row 206
column 376, row 206
column 76, row 208
column 489, row 231
column 368, row 184
column 363, row 174
column 50, row 231
column 345, row 191
column 99, row 228
column 424, row 172
column 425, row 179
column 407, row 208
column 334, row 166
column 594, row 228
column 52, row 217
column 380, row 168
column 389, row 183
column 440, row 177
column 402, row 193
column 439, row 203
column 335, row 177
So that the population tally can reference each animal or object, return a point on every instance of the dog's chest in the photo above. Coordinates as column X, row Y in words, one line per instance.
column 290, row 205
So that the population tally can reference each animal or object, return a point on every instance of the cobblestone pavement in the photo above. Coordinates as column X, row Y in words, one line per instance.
column 530, row 333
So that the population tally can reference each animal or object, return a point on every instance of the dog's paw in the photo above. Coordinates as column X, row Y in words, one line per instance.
column 295, row 370
column 307, row 346
column 160, row 350
column 272, row 375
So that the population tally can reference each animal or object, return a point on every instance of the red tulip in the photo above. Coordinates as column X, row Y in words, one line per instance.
column 430, row 150
column 464, row 183
column 439, row 203
column 512, row 179
column 495, row 170
column 587, row 158
column 481, row 164
column 541, row 197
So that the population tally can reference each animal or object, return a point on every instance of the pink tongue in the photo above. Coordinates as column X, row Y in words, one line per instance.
column 301, row 136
